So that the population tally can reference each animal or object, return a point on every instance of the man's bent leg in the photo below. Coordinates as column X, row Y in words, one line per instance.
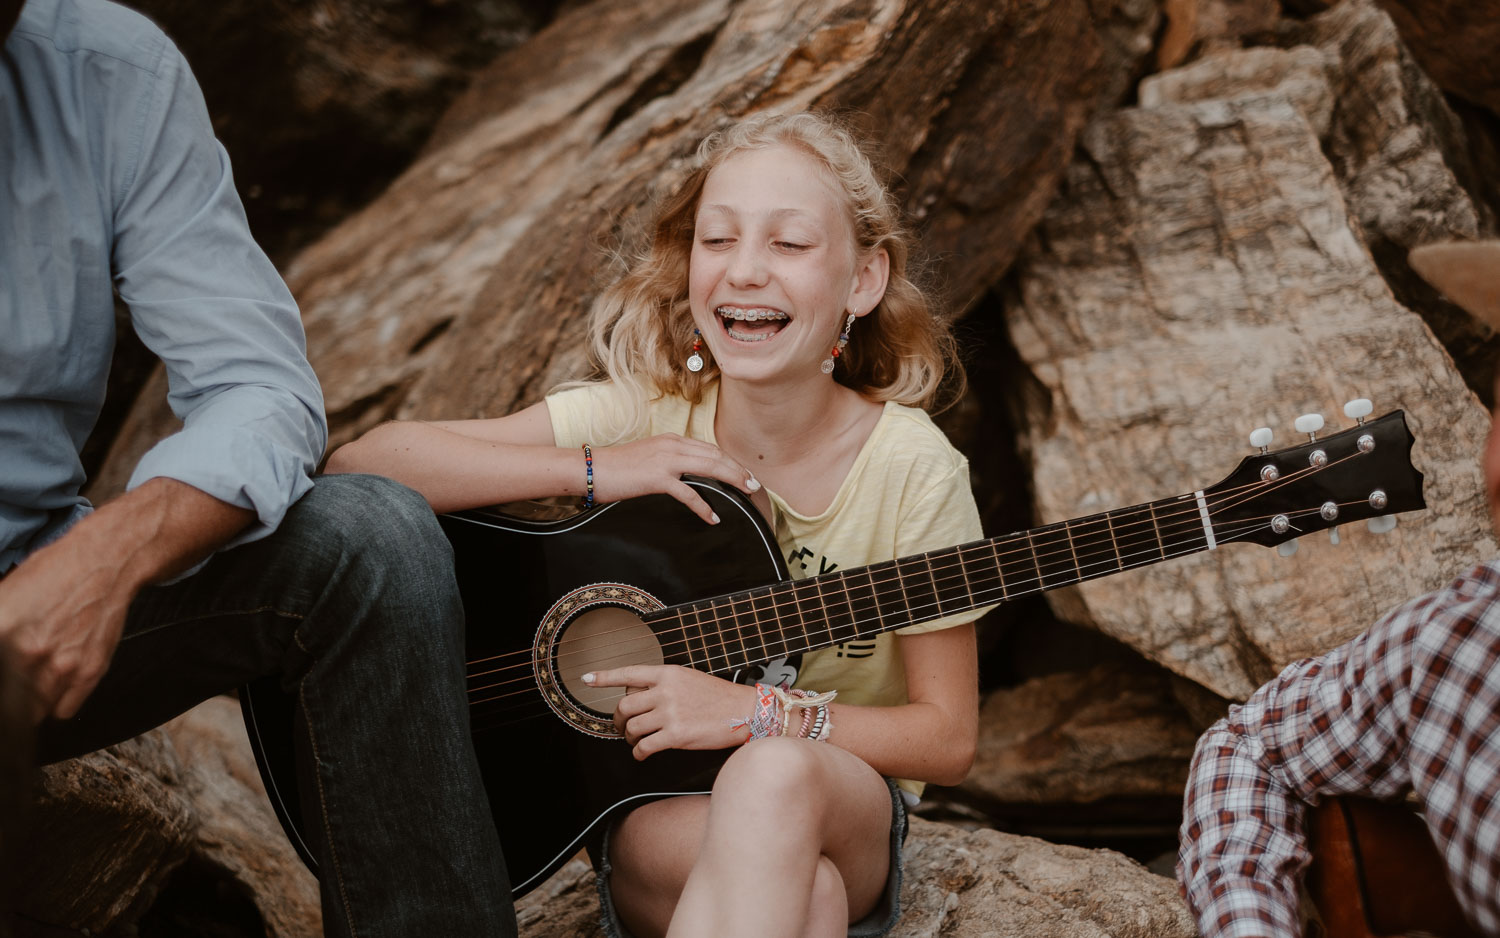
column 353, row 602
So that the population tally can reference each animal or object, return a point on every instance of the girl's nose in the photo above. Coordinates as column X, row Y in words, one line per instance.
column 747, row 266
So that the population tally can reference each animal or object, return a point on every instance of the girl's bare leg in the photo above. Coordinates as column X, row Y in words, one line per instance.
column 794, row 840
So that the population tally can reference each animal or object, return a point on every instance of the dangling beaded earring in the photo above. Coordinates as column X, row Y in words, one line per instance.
column 695, row 361
column 838, row 349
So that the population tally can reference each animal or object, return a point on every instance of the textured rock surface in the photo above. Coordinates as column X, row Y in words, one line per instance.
column 959, row 884
column 1204, row 259
column 462, row 290
column 1110, row 732
column 1455, row 40
column 140, row 831
column 107, row 831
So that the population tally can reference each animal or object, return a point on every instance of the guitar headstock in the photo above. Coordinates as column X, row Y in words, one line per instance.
column 1363, row 472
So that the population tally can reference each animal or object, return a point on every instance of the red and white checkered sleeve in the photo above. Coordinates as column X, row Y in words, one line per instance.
column 1241, row 845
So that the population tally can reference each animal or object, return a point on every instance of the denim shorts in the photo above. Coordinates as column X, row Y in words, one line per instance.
column 879, row 922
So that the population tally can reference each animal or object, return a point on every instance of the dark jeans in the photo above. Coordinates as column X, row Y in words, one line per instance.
column 352, row 601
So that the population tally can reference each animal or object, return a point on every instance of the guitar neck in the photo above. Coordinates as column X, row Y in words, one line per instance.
column 725, row 633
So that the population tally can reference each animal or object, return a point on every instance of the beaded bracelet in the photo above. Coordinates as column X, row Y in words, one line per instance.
column 588, row 468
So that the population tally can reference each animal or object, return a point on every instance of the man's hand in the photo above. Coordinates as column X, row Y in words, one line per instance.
column 63, row 609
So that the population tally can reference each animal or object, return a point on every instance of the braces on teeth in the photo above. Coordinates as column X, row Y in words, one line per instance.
column 750, row 314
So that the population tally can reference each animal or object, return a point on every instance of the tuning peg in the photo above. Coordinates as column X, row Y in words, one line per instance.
column 1358, row 409
column 1287, row 548
column 1333, row 535
column 1261, row 439
column 1380, row 524
column 1309, row 424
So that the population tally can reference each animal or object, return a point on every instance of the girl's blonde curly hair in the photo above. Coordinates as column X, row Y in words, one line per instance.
column 641, row 327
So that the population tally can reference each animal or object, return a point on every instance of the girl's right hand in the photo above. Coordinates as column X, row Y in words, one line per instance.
column 658, row 463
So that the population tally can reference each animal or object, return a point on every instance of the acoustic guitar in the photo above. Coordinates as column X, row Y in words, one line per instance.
column 1376, row 873
column 646, row 581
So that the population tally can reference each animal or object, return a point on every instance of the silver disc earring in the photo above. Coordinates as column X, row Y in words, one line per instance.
column 838, row 349
column 695, row 360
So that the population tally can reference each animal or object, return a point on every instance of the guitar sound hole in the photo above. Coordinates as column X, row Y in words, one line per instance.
column 602, row 638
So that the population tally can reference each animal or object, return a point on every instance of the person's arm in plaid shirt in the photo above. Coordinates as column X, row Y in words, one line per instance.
column 1325, row 725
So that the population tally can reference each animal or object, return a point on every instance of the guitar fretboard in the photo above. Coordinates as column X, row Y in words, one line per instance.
column 726, row 633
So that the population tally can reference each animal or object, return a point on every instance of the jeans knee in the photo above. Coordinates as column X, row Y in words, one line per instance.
column 384, row 551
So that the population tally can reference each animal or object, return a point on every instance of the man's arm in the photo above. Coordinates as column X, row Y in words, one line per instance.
column 206, row 300
column 1328, row 725
column 63, row 608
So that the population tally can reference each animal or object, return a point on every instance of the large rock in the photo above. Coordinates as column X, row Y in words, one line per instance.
column 1114, row 731
column 1202, row 273
column 462, row 290
column 170, row 830
column 958, row 884
column 1455, row 40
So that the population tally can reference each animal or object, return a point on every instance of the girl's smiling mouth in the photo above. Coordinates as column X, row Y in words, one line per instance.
column 751, row 323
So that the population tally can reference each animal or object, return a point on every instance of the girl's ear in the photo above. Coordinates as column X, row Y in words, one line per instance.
column 869, row 282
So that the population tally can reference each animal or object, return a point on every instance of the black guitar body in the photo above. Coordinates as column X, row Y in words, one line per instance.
column 550, row 785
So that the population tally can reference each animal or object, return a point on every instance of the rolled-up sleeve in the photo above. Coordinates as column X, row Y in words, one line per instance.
column 207, row 301
column 1325, row 726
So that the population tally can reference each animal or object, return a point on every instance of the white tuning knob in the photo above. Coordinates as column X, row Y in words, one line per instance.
column 1333, row 535
column 1380, row 524
column 1287, row 548
column 1261, row 438
column 1309, row 424
column 1358, row 409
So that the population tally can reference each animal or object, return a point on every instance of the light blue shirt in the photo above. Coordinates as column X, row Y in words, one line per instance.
column 110, row 176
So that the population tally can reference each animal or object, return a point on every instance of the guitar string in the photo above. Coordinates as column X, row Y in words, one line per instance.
column 977, row 587
column 1149, row 524
column 1162, row 522
column 983, row 593
column 1245, row 528
column 534, row 700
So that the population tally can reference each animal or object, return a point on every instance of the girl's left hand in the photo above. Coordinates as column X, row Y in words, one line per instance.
column 674, row 707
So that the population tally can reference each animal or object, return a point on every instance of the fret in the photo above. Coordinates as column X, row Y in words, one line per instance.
column 864, row 602
column 736, row 652
column 999, row 568
column 1160, row 545
column 918, row 589
column 965, row 577
column 763, row 616
column 1137, row 536
column 683, row 644
column 1052, row 555
column 1017, row 566
column 810, row 617
column 836, row 608
column 707, row 626
column 1113, row 543
column 890, row 601
column 1094, row 551
column 949, row 582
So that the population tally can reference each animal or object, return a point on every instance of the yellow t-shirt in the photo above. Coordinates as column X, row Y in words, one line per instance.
column 907, row 492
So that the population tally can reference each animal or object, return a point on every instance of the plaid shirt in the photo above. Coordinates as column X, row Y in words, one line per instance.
column 1413, row 704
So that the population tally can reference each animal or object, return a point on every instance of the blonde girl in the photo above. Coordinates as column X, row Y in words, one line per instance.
column 768, row 338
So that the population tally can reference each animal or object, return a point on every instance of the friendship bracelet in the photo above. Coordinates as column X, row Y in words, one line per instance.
column 588, row 468
column 766, row 720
